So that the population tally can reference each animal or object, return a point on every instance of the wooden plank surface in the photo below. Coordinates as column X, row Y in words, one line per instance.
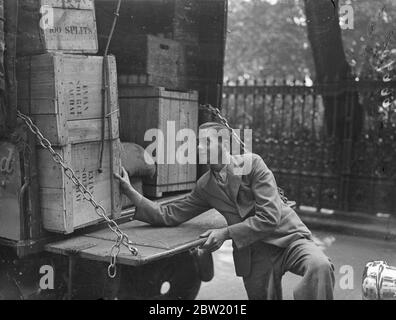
column 152, row 243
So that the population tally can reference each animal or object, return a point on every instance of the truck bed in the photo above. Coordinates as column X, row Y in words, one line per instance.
column 153, row 243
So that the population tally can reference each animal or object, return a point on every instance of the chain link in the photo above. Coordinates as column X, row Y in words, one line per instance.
column 217, row 113
column 122, row 238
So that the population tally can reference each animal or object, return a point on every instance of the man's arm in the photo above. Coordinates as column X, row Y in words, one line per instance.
column 174, row 213
column 171, row 214
column 267, row 211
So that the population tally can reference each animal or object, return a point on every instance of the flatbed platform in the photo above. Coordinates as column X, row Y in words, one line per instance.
column 153, row 243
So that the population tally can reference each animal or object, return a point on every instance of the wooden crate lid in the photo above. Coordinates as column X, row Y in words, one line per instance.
column 139, row 92
column 70, row 4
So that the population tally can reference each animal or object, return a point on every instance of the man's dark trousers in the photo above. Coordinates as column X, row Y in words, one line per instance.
column 302, row 257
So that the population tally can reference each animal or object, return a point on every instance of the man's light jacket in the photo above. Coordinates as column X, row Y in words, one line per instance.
column 252, row 207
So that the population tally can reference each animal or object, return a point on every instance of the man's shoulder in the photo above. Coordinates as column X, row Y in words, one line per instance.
column 240, row 158
column 202, row 181
column 258, row 161
column 249, row 160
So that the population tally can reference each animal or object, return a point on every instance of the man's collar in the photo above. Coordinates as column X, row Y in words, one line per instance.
column 222, row 174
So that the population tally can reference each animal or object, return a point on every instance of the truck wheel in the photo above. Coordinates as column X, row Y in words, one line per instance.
column 175, row 278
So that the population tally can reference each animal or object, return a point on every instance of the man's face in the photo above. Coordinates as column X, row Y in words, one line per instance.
column 212, row 147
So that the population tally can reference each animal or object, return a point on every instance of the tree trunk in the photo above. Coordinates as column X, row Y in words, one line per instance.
column 324, row 34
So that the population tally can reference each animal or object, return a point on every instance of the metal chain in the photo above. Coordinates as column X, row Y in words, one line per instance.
column 216, row 112
column 122, row 238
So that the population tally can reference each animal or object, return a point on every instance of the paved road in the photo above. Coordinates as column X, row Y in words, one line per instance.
column 343, row 251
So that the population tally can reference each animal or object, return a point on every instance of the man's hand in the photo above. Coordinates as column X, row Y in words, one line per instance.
column 127, row 188
column 125, row 183
column 215, row 240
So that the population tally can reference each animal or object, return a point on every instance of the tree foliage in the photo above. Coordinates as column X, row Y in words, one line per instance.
column 268, row 38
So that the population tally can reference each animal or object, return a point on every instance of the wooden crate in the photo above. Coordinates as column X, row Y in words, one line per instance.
column 63, row 209
column 145, row 108
column 63, row 95
column 152, row 61
column 176, row 20
column 187, row 70
column 66, row 26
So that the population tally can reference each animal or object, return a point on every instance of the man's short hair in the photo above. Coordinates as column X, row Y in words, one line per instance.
column 213, row 125
column 223, row 133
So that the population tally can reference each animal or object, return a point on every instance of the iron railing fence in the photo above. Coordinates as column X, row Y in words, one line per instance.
column 329, row 145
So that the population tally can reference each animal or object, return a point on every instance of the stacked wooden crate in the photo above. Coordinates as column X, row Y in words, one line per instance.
column 63, row 94
column 170, row 28
column 145, row 108
column 155, row 69
column 153, row 61
column 153, row 88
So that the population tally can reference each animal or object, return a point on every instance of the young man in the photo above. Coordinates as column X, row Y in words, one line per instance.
column 268, row 236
